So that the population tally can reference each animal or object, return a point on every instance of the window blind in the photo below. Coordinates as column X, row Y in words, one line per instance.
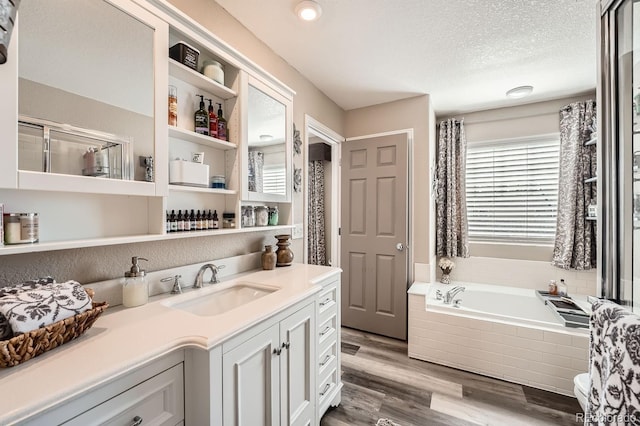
column 274, row 180
column 512, row 190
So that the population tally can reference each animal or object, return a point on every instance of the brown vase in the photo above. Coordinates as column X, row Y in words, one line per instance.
column 269, row 258
column 284, row 253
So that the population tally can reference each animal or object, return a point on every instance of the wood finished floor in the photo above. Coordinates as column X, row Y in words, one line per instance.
column 381, row 381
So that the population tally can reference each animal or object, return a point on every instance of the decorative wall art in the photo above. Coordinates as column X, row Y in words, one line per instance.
column 297, row 180
column 297, row 142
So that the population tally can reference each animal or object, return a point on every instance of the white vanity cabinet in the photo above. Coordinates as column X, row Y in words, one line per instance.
column 268, row 379
column 153, row 394
column 328, row 341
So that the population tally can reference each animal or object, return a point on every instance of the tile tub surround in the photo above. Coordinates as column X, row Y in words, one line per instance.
column 521, row 273
column 539, row 357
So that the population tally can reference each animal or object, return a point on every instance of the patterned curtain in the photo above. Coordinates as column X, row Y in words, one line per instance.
column 575, row 243
column 452, row 234
column 317, row 245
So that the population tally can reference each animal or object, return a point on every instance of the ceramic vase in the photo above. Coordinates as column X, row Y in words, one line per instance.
column 284, row 253
column 269, row 258
column 445, row 278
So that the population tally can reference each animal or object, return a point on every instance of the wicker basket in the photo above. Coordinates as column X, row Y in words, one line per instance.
column 25, row 346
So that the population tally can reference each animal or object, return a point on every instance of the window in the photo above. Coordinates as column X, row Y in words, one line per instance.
column 512, row 190
column 274, row 180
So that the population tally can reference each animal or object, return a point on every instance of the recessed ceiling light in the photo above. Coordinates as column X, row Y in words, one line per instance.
column 308, row 10
column 519, row 92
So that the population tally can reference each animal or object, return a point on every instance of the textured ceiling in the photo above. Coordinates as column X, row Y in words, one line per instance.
column 465, row 53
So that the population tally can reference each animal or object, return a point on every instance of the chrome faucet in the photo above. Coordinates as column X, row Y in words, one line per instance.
column 177, row 288
column 214, row 274
column 449, row 295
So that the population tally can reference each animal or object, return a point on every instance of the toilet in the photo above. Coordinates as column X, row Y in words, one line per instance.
column 581, row 389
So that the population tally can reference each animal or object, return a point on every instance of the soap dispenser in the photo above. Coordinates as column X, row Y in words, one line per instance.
column 135, row 291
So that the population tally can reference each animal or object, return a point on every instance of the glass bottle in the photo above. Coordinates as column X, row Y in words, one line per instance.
column 173, row 106
column 216, row 222
column 135, row 290
column 180, row 221
column 192, row 221
column 222, row 125
column 213, row 121
column 201, row 119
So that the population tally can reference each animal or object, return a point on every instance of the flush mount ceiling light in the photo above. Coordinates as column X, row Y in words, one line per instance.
column 266, row 138
column 519, row 92
column 308, row 10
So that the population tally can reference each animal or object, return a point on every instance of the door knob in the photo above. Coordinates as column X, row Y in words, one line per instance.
column 399, row 246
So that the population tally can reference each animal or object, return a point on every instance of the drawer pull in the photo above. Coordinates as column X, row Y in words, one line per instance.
column 326, row 389
column 325, row 302
column 325, row 331
column 325, row 360
column 137, row 421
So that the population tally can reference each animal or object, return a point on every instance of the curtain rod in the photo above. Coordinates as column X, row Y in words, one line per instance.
column 516, row 117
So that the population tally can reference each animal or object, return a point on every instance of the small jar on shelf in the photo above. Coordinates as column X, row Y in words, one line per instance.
column 248, row 217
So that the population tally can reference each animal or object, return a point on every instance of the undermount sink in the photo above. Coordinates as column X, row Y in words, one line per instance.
column 224, row 300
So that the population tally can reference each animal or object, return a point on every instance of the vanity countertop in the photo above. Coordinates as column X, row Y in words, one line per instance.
column 122, row 340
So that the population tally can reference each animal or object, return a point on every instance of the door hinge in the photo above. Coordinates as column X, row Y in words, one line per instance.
column 339, row 231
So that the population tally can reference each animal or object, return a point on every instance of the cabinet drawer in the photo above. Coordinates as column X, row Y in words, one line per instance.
column 157, row 401
column 327, row 332
column 327, row 386
column 327, row 299
column 327, row 358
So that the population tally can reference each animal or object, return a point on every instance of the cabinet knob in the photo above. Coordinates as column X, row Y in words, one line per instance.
column 286, row 345
column 277, row 351
column 137, row 421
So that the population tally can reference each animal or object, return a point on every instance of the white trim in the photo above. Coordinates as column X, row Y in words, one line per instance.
column 335, row 141
column 489, row 142
column 410, row 167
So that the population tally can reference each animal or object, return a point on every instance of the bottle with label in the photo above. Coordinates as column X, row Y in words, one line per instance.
column 201, row 118
column 192, row 221
column 173, row 106
column 167, row 222
column 209, row 220
column 222, row 125
column 180, row 221
column 562, row 288
column 173, row 220
column 216, row 223
column 213, row 121
column 198, row 221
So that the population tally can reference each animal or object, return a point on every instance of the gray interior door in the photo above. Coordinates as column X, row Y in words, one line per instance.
column 374, row 234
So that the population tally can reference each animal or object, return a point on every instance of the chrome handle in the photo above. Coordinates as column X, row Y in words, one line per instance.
column 325, row 331
column 399, row 246
column 326, row 389
column 325, row 360
column 277, row 351
column 137, row 421
column 325, row 302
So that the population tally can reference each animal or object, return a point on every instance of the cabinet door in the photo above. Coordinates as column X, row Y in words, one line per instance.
column 251, row 383
column 296, row 367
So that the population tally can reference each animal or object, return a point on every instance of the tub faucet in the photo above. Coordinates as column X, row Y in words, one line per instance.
column 203, row 269
column 448, row 296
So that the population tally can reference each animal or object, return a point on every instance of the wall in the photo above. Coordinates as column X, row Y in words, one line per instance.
column 518, row 264
column 413, row 113
column 102, row 263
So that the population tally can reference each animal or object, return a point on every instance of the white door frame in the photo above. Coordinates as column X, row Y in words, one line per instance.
column 334, row 140
column 410, row 166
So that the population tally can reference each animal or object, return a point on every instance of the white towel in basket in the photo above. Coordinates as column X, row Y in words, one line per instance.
column 5, row 328
column 39, row 307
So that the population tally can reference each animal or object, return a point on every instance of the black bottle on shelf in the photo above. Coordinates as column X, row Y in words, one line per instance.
column 192, row 221
column 209, row 220
column 216, row 223
column 180, row 221
column 201, row 119
column 173, row 222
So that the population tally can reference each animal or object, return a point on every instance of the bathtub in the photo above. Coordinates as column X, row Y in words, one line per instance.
column 498, row 331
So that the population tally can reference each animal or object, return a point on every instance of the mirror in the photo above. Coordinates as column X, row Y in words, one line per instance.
column 267, row 145
column 96, row 73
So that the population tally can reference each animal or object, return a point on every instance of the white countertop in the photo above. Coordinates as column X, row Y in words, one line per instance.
column 124, row 339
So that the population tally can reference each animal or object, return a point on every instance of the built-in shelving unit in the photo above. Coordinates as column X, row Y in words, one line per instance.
column 82, row 211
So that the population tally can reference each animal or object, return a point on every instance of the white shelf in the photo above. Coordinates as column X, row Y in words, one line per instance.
column 97, row 242
column 186, row 74
column 88, row 184
column 183, row 188
column 189, row 136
